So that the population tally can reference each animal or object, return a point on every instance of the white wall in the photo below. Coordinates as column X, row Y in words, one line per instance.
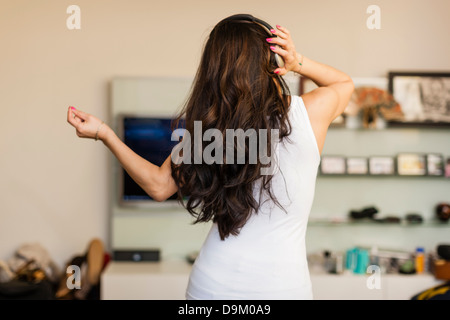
column 54, row 186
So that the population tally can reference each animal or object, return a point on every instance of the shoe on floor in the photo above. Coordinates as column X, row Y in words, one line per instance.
column 95, row 258
column 91, row 270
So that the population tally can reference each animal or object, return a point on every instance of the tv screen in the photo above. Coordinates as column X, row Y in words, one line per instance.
column 149, row 137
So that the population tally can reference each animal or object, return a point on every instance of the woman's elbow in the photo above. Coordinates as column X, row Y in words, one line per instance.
column 159, row 196
column 162, row 194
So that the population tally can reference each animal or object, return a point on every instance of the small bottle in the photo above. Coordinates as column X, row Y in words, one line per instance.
column 328, row 262
column 420, row 260
column 374, row 260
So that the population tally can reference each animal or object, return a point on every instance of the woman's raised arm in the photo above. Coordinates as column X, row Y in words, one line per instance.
column 329, row 100
column 156, row 181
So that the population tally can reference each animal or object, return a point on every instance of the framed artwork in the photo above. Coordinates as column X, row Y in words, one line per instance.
column 332, row 165
column 357, row 166
column 381, row 165
column 424, row 97
column 447, row 168
column 435, row 164
column 412, row 164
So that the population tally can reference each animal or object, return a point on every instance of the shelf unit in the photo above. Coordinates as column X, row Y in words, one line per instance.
column 349, row 223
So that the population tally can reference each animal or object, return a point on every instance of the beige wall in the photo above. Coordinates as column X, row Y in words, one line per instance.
column 54, row 186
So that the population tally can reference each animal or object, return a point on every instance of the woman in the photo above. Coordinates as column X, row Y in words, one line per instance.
column 256, row 246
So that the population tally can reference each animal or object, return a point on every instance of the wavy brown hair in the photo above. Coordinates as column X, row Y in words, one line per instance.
column 234, row 87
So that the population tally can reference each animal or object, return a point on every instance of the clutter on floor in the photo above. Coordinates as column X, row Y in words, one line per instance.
column 31, row 273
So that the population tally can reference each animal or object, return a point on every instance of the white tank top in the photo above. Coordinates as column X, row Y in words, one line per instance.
column 267, row 260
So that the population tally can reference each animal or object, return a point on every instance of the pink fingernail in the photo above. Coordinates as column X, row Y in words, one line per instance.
column 276, row 71
column 272, row 47
column 269, row 39
column 273, row 30
column 278, row 26
column 72, row 108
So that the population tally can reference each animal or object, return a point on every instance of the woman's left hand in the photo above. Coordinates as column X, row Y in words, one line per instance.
column 284, row 47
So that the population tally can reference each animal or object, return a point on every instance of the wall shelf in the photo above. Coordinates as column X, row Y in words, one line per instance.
column 398, row 125
column 383, row 176
column 368, row 223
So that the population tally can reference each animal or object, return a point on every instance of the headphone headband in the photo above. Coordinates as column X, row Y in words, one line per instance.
column 248, row 17
column 263, row 24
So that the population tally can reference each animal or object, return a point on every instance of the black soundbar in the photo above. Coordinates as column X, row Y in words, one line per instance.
column 136, row 255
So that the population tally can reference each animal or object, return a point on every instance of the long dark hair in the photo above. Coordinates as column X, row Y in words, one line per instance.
column 234, row 87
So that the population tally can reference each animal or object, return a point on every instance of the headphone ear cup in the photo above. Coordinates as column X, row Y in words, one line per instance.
column 279, row 60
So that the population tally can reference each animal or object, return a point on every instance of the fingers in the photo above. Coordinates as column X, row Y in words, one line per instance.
column 287, row 56
column 82, row 115
column 72, row 118
column 283, row 53
column 283, row 32
column 280, row 71
column 277, row 40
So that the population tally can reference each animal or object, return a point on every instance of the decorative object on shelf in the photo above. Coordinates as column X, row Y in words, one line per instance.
column 435, row 164
column 365, row 213
column 419, row 257
column 423, row 96
column 357, row 260
column 388, row 219
column 414, row 218
column 411, row 164
column 441, row 262
column 443, row 250
column 381, row 165
column 350, row 258
column 352, row 117
column 362, row 261
column 443, row 211
column 357, row 166
column 403, row 164
column 332, row 165
column 441, row 268
column 374, row 107
column 407, row 267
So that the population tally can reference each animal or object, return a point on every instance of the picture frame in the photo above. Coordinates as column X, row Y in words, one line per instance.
column 423, row 96
column 333, row 165
column 447, row 168
column 435, row 164
column 382, row 166
column 412, row 164
column 357, row 166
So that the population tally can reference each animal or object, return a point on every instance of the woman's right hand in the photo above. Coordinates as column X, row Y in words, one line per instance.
column 86, row 125
column 286, row 49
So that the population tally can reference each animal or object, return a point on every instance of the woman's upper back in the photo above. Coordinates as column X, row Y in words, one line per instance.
column 269, row 252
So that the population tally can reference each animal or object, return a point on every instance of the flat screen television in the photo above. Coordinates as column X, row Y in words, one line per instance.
column 149, row 137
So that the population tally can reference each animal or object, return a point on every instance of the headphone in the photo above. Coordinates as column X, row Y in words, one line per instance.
column 263, row 24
